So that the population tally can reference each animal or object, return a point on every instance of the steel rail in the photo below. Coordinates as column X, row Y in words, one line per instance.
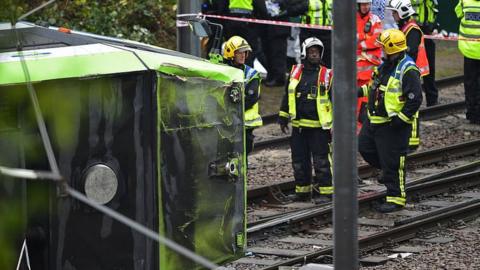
column 446, row 173
column 425, row 186
column 441, row 83
column 364, row 171
column 409, row 228
column 395, row 235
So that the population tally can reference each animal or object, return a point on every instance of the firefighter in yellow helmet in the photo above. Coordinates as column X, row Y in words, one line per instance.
column 403, row 13
column 235, row 53
column 394, row 98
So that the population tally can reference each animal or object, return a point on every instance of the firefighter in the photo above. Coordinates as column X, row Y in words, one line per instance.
column 235, row 53
column 318, row 12
column 307, row 104
column 402, row 12
column 426, row 15
column 369, row 52
column 468, row 12
column 394, row 98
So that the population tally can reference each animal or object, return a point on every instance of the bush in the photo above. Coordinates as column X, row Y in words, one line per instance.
column 149, row 21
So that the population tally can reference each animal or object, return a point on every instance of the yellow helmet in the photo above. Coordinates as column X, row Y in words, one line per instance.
column 235, row 44
column 393, row 41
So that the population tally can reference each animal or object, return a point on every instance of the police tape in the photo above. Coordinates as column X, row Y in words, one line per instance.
column 181, row 23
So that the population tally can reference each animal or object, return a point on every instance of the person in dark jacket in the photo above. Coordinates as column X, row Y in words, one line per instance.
column 394, row 98
column 307, row 104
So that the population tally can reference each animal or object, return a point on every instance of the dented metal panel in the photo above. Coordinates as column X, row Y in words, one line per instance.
column 202, row 168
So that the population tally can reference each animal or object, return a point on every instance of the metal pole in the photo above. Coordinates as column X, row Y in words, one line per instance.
column 186, row 41
column 344, row 136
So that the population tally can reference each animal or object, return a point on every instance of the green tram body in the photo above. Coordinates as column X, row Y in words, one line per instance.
column 154, row 134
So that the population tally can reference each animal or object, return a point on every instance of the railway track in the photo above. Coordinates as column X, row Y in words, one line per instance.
column 437, row 199
column 426, row 114
column 273, row 193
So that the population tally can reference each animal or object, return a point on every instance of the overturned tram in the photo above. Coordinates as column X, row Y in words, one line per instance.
column 153, row 134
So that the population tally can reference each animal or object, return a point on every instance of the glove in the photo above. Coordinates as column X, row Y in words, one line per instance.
column 398, row 123
column 283, row 122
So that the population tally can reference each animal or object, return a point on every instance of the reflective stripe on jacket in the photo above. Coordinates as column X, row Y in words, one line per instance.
column 252, row 115
column 241, row 4
column 469, row 13
column 319, row 12
column 422, row 61
column 323, row 103
column 369, row 51
column 426, row 11
column 393, row 92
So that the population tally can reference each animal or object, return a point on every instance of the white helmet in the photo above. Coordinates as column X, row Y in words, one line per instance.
column 309, row 42
column 402, row 7
column 364, row 1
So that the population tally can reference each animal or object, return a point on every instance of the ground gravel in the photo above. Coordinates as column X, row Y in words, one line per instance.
column 461, row 254
column 273, row 166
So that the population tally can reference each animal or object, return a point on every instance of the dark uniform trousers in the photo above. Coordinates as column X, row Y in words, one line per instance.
column 249, row 137
column 385, row 147
column 471, row 71
column 429, row 87
column 274, row 45
column 308, row 143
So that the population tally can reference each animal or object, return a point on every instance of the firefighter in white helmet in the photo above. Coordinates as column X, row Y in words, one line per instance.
column 307, row 104
column 403, row 12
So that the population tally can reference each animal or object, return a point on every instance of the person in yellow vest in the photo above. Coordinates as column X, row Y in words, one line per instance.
column 235, row 53
column 394, row 98
column 402, row 12
column 468, row 11
column 426, row 16
column 307, row 104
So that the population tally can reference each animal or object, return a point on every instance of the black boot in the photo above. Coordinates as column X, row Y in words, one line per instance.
column 300, row 197
column 389, row 207
column 322, row 198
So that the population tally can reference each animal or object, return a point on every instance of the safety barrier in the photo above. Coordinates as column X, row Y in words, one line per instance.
column 181, row 23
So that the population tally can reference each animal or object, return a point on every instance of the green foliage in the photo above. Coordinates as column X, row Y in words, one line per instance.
column 149, row 21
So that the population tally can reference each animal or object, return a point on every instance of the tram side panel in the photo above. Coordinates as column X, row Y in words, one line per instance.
column 102, row 134
column 202, row 181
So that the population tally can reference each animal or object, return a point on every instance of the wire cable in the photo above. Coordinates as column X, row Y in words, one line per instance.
column 141, row 229
column 56, row 173
column 34, row 10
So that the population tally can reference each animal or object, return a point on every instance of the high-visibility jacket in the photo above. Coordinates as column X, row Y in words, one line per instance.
column 321, row 97
column 252, row 115
column 426, row 11
column 469, row 13
column 319, row 12
column 422, row 61
column 392, row 95
column 369, row 52
column 241, row 5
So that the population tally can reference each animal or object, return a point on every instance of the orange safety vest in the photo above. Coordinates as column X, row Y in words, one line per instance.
column 422, row 61
column 369, row 51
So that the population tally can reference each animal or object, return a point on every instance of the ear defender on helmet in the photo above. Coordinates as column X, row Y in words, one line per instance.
column 309, row 42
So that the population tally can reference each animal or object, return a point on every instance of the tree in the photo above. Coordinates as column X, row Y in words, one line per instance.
column 148, row 21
